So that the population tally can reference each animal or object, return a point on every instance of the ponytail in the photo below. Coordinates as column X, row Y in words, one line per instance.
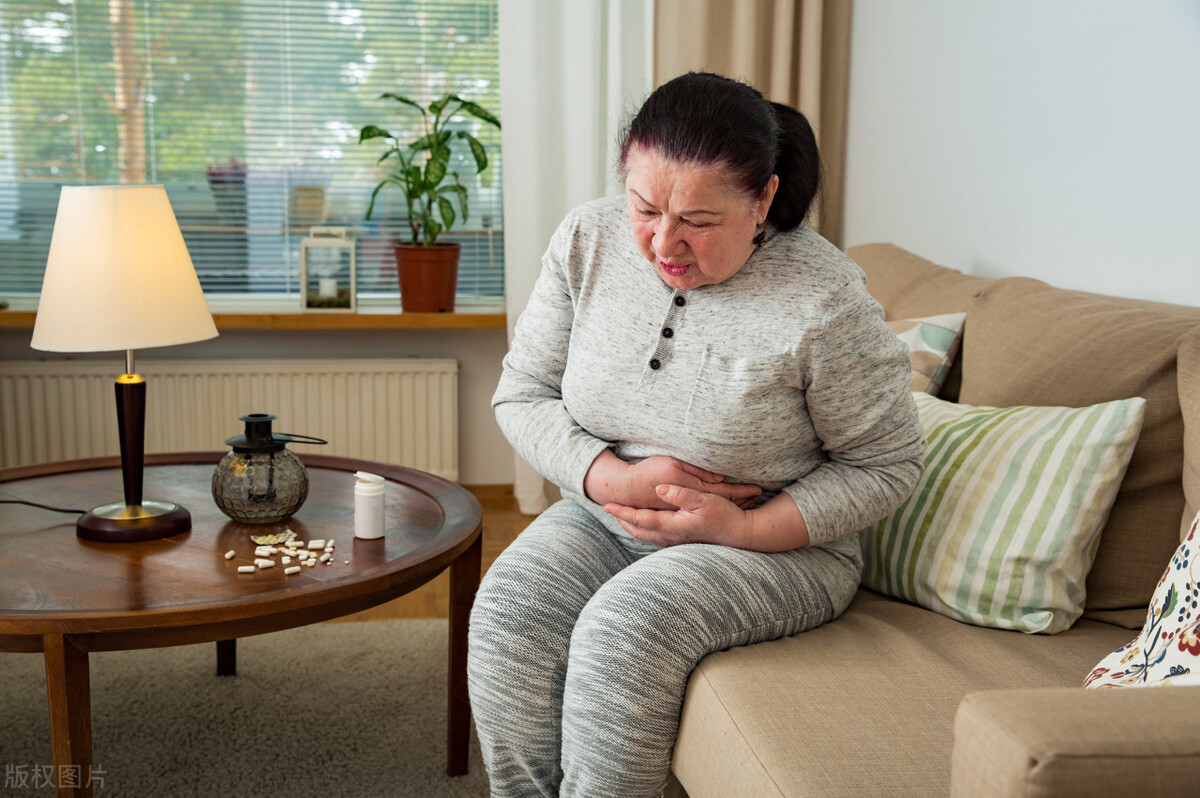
column 798, row 166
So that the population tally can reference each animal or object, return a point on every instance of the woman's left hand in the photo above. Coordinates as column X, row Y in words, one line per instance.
column 700, row 518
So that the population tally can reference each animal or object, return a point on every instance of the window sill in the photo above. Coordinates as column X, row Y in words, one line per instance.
column 465, row 319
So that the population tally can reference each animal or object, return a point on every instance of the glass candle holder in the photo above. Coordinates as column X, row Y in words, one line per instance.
column 260, row 481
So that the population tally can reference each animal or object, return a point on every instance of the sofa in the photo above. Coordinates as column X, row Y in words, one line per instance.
column 896, row 699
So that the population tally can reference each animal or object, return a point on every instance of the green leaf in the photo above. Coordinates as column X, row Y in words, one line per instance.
column 435, row 170
column 461, row 191
column 479, row 112
column 402, row 99
column 372, row 132
column 374, row 194
column 441, row 152
column 1171, row 602
column 413, row 184
column 447, row 211
column 388, row 154
column 430, row 141
column 437, row 106
column 477, row 150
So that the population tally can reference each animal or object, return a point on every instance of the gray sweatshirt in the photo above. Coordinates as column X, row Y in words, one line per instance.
column 785, row 375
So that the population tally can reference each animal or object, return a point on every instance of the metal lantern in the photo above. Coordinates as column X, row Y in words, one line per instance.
column 328, row 270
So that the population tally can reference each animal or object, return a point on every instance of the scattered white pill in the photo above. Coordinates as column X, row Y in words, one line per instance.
column 264, row 564
column 295, row 569
column 264, row 551
column 310, row 563
column 316, row 544
column 229, row 555
column 286, row 560
column 325, row 557
column 347, row 562
column 246, row 569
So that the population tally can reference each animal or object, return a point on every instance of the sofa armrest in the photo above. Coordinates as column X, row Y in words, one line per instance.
column 1116, row 741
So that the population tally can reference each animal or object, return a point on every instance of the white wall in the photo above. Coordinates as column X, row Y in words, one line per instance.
column 1058, row 140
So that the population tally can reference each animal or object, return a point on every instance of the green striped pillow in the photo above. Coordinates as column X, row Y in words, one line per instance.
column 1002, row 528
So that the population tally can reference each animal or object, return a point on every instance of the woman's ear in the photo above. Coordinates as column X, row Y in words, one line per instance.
column 763, row 204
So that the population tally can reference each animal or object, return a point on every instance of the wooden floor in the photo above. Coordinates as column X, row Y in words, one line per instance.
column 501, row 525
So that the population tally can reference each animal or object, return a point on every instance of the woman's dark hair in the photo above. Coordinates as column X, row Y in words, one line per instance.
column 709, row 119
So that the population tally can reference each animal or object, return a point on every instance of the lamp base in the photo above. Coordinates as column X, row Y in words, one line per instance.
column 123, row 523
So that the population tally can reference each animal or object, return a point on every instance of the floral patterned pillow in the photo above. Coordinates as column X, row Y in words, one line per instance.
column 932, row 345
column 1167, row 651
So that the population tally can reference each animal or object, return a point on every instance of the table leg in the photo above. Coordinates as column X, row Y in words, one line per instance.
column 464, row 581
column 227, row 657
column 68, row 689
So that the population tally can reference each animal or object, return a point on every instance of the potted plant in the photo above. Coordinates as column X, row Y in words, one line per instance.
column 420, row 169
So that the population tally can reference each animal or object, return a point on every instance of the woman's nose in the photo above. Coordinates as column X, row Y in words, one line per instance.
column 668, row 238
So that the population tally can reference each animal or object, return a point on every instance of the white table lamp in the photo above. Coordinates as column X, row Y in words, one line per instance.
column 119, row 277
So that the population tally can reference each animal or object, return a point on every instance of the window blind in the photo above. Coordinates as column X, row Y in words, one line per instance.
column 248, row 112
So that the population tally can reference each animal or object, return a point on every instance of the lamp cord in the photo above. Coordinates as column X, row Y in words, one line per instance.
column 42, row 506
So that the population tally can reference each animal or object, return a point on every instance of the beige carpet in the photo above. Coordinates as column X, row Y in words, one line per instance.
column 342, row 709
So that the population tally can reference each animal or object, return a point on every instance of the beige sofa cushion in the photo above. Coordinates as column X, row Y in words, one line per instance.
column 1030, row 343
column 1189, row 401
column 861, row 706
column 1068, row 742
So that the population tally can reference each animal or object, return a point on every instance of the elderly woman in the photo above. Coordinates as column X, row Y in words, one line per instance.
column 723, row 407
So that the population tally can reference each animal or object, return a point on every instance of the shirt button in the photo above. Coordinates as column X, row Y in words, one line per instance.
column 680, row 301
column 654, row 364
column 667, row 332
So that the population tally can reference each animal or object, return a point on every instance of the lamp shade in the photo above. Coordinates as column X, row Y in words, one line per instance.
column 118, row 275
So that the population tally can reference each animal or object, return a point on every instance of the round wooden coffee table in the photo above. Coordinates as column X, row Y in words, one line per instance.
column 65, row 596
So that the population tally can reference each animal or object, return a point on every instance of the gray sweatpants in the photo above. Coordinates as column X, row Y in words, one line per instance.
column 582, row 641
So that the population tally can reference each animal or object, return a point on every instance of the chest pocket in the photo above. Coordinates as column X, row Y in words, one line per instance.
column 749, row 402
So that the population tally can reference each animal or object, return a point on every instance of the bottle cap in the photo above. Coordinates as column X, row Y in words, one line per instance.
column 368, row 478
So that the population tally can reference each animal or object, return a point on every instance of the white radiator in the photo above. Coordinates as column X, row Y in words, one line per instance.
column 402, row 411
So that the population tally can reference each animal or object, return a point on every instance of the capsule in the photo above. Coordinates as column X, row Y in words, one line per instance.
column 264, row 564
column 246, row 569
column 316, row 544
column 325, row 557
column 229, row 555
column 295, row 569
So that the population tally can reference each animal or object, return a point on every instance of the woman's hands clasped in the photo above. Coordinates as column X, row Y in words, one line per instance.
column 665, row 501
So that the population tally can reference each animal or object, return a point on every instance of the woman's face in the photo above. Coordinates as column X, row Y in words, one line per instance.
column 689, row 221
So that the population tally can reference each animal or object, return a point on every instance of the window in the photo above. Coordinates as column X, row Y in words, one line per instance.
column 248, row 111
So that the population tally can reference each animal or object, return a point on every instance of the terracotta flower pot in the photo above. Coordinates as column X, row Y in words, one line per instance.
column 428, row 277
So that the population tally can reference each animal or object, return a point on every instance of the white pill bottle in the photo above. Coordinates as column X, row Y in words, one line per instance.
column 368, row 506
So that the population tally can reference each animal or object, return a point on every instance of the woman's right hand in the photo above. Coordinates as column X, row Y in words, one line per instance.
column 611, row 480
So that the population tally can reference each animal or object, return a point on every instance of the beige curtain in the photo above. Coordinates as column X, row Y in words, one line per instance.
column 794, row 51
